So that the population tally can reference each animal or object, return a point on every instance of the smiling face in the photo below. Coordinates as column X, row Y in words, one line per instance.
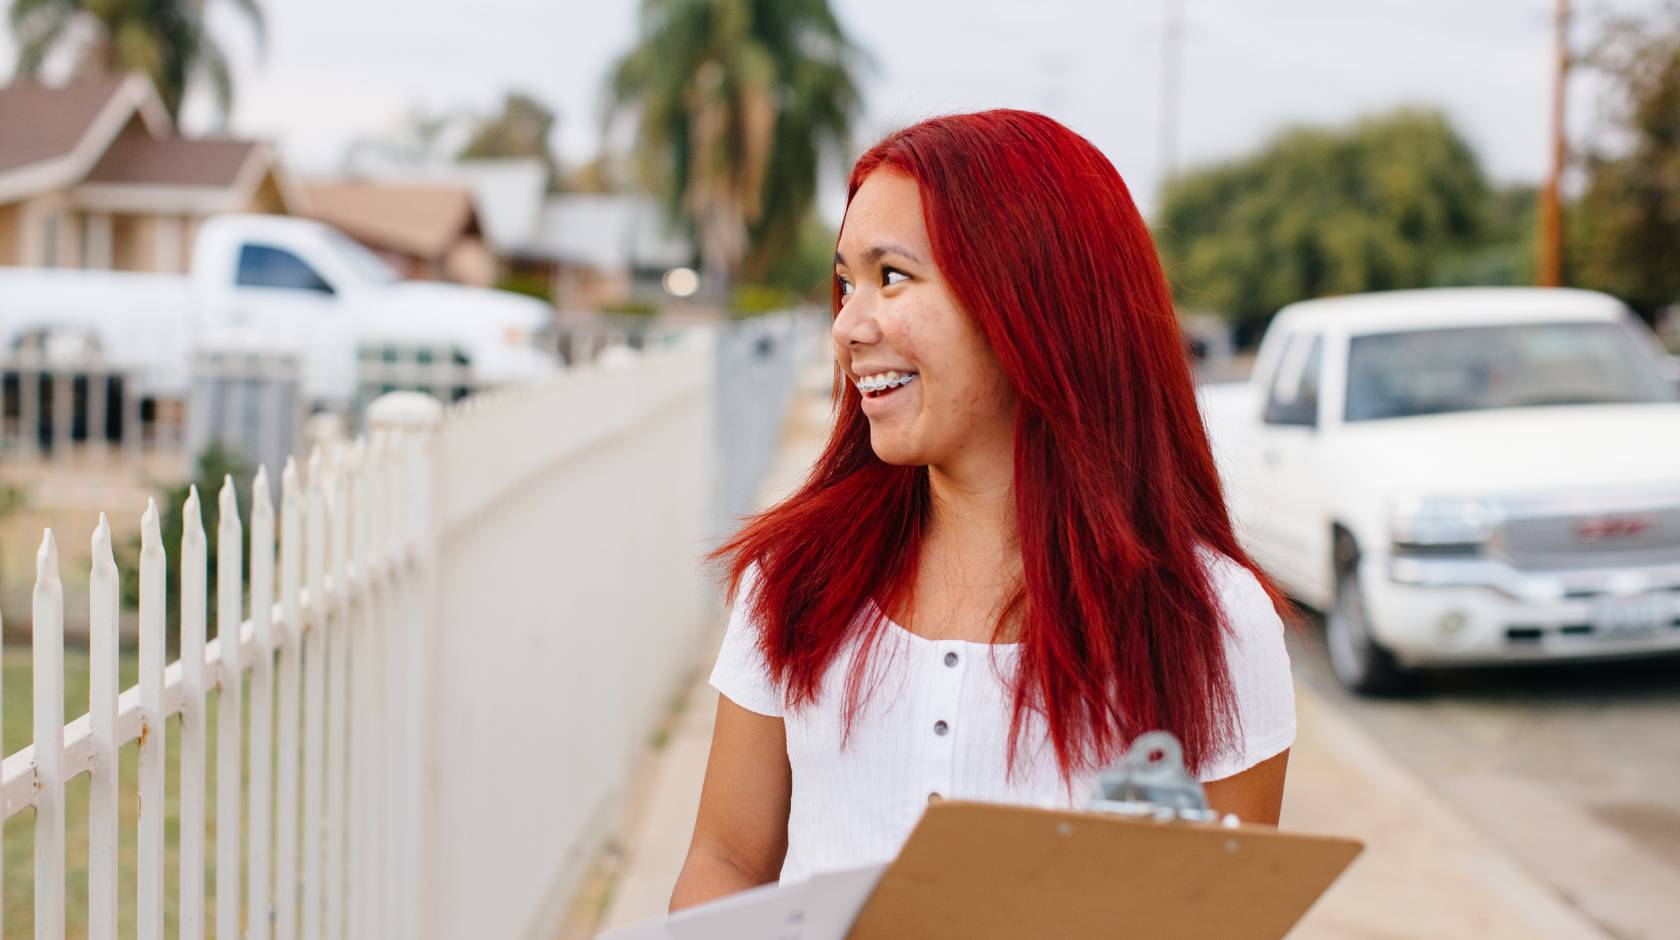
column 897, row 315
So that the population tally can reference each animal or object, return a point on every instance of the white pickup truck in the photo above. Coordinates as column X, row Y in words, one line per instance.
column 275, row 283
column 1461, row 477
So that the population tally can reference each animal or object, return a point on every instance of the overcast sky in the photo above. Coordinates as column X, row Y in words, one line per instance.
column 339, row 68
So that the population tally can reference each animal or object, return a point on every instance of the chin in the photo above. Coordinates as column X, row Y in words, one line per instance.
column 897, row 453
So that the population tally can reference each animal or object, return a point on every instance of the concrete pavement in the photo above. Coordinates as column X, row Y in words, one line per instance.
column 1425, row 872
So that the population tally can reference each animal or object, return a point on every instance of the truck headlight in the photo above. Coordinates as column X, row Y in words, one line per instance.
column 1442, row 524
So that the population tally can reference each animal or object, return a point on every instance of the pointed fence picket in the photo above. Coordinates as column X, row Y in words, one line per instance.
column 190, row 907
column 49, row 742
column 262, row 706
column 102, row 711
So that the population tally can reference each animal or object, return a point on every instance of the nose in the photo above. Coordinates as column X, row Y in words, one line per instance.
column 855, row 325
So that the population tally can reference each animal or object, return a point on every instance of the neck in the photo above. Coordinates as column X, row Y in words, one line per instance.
column 974, row 508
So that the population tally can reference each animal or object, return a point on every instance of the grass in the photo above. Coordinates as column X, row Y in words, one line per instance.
column 19, row 840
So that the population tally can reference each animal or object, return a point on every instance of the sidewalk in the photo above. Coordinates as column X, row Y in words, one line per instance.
column 1425, row 872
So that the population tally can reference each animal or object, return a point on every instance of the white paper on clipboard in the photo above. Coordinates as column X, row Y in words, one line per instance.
column 821, row 907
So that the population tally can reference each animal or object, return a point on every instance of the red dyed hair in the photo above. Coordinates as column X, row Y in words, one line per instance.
column 1115, row 485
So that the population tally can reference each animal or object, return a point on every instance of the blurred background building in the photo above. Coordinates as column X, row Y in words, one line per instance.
column 94, row 174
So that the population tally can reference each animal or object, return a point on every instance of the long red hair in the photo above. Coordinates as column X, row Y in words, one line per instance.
column 1115, row 485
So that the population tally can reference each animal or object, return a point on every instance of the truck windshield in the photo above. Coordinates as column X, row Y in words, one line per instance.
column 1422, row 372
column 366, row 265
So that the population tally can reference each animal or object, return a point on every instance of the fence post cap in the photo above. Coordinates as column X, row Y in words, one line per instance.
column 404, row 411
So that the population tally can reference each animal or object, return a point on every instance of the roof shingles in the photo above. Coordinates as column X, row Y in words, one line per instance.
column 43, row 122
column 418, row 219
column 137, row 157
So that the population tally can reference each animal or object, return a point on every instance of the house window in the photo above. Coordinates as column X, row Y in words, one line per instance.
column 267, row 266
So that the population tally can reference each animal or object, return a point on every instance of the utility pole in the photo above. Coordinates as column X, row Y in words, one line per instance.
column 1549, row 264
column 1172, row 42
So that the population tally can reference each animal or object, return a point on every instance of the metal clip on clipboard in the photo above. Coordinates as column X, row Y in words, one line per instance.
column 1150, row 782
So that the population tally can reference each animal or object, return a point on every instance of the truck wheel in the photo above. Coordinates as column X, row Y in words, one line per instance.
column 1357, row 659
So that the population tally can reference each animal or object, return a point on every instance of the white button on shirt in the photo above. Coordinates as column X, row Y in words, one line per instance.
column 934, row 724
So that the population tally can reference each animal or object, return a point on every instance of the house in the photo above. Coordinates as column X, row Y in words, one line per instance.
column 424, row 231
column 585, row 251
column 603, row 249
column 93, row 174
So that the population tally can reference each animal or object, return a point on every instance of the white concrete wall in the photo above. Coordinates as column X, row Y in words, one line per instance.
column 568, row 602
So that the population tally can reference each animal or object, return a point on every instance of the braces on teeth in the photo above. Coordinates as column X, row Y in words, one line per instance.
column 883, row 381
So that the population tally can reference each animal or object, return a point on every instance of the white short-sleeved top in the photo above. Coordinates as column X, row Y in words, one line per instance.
column 935, row 720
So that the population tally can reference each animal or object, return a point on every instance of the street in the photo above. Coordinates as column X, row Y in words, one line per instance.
column 1573, row 769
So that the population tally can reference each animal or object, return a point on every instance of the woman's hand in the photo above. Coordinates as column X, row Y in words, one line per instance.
column 740, row 836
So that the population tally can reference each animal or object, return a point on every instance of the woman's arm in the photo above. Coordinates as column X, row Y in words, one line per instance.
column 740, row 836
column 1255, row 795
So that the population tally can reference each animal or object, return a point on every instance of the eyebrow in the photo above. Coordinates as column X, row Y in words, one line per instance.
column 874, row 254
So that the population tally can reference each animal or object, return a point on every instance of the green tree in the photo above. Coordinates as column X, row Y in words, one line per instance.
column 168, row 40
column 1384, row 203
column 1506, row 255
column 1623, row 233
column 521, row 129
column 737, row 102
column 806, row 269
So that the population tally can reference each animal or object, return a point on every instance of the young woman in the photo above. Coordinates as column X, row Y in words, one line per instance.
column 1013, row 556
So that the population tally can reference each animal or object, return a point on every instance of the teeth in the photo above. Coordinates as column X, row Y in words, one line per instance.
column 884, row 380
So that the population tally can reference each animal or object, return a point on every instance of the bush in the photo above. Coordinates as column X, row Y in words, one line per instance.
column 751, row 300
column 531, row 285
column 639, row 308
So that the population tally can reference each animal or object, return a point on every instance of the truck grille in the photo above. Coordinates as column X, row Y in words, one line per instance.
column 1580, row 534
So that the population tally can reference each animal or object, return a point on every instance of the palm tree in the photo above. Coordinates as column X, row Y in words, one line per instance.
column 737, row 102
column 165, row 39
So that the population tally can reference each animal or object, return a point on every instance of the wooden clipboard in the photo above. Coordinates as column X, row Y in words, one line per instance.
column 1148, row 861
column 979, row 871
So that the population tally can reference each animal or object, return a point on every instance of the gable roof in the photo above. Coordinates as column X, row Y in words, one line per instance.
column 417, row 219
column 507, row 192
column 173, row 161
column 69, row 127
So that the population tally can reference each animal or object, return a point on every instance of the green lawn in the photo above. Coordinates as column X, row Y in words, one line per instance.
column 20, row 829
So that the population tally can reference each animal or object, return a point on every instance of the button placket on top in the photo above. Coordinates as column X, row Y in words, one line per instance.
column 944, row 723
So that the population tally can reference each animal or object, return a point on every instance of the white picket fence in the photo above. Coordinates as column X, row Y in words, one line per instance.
column 351, row 547
column 469, row 624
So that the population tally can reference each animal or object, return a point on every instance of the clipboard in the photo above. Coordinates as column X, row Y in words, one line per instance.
column 1148, row 859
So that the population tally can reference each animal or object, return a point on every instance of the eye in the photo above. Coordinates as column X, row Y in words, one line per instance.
column 845, row 286
column 887, row 275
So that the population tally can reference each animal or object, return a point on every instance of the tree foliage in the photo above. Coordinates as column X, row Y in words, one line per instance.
column 1624, row 230
column 736, row 103
column 167, row 40
column 1391, row 201
column 522, row 128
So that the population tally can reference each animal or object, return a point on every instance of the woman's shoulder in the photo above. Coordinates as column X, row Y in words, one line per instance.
column 1233, row 581
column 1251, row 619
column 741, row 672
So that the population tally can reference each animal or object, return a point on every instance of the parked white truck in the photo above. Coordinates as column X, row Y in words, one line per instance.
column 1461, row 476
column 279, row 284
